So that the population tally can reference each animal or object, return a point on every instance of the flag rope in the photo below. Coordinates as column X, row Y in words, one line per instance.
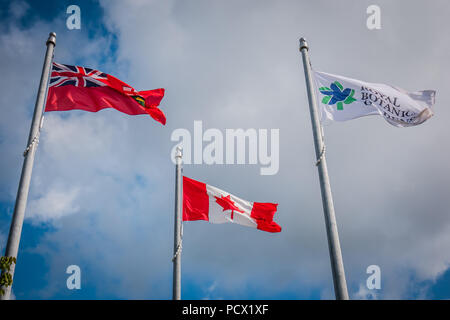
column 322, row 154
column 35, row 140
column 36, row 137
column 178, row 252
column 179, row 246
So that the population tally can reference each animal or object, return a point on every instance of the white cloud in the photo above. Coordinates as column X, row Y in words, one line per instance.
column 54, row 204
column 365, row 294
column 18, row 9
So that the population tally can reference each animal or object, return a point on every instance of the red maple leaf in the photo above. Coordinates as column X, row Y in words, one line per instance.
column 227, row 204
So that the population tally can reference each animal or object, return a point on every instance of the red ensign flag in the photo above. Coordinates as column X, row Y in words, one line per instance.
column 205, row 202
column 73, row 87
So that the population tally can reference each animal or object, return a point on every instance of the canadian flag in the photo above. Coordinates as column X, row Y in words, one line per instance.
column 205, row 202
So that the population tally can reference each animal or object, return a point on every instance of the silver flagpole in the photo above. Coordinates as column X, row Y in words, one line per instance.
column 337, row 265
column 178, row 229
column 12, row 247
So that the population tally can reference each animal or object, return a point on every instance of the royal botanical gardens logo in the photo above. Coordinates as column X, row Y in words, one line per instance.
column 336, row 94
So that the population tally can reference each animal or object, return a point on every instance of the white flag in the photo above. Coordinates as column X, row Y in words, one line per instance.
column 342, row 99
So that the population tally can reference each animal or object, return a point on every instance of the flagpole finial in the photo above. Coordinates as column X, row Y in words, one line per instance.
column 51, row 38
column 303, row 44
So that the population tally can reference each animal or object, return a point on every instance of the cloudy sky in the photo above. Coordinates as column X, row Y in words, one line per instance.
column 102, row 191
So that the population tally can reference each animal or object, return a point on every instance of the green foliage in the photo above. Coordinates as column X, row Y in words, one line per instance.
column 6, row 277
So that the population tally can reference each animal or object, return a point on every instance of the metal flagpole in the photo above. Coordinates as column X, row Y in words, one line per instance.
column 337, row 265
column 178, row 229
column 12, row 247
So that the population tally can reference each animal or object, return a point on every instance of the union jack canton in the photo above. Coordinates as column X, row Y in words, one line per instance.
column 63, row 75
